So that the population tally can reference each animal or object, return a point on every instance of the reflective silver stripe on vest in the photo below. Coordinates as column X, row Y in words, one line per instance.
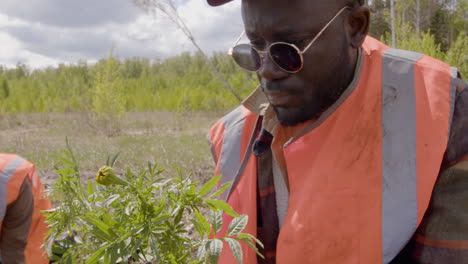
column 453, row 93
column 5, row 177
column 399, row 174
column 230, row 157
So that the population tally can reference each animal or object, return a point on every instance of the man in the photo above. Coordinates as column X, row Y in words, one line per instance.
column 22, row 224
column 349, row 151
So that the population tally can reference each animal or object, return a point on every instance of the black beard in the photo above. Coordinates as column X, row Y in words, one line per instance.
column 336, row 83
column 309, row 110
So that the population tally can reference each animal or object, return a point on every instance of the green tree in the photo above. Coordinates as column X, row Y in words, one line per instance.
column 441, row 28
column 458, row 54
column 108, row 99
column 4, row 89
column 379, row 24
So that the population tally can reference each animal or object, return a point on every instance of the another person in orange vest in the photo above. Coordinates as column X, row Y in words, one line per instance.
column 22, row 225
column 349, row 151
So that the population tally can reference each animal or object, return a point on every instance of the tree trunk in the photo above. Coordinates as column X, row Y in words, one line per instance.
column 392, row 18
column 418, row 16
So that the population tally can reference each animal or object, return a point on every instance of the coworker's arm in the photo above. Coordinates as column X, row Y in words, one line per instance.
column 16, row 225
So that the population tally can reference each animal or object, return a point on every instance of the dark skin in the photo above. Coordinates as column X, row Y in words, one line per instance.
column 329, row 63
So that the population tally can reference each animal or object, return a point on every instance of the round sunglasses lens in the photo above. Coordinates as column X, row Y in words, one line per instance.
column 286, row 56
column 247, row 57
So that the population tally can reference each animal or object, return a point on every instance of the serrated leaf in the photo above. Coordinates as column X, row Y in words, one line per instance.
column 201, row 254
column 222, row 205
column 235, row 248
column 206, row 188
column 217, row 221
column 237, row 225
column 215, row 247
column 221, row 190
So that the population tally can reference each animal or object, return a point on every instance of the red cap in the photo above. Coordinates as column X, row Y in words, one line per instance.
column 217, row 2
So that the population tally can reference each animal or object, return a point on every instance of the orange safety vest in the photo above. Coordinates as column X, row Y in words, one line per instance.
column 14, row 170
column 361, row 179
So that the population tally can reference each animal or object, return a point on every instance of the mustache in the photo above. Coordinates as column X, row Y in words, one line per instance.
column 278, row 87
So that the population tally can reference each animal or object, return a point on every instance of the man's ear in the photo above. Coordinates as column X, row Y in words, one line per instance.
column 358, row 23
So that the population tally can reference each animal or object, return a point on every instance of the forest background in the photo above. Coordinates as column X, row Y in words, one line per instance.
column 160, row 110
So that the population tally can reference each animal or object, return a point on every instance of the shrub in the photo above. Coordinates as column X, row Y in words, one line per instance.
column 143, row 218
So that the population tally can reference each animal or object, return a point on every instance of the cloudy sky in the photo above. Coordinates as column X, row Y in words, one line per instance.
column 44, row 33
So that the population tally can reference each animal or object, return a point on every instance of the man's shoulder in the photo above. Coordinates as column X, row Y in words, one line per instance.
column 237, row 121
column 236, row 116
column 372, row 46
column 457, row 147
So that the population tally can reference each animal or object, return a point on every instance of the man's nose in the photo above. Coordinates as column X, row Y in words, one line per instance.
column 270, row 71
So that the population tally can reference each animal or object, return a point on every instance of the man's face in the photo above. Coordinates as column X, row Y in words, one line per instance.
column 328, row 64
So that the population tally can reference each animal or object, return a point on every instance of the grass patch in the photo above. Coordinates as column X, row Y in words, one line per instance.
column 167, row 139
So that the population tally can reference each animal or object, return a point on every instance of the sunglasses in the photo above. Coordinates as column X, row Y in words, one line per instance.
column 287, row 56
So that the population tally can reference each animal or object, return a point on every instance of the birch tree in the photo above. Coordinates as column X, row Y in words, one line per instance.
column 392, row 22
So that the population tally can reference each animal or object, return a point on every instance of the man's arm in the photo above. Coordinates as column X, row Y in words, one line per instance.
column 16, row 225
column 442, row 236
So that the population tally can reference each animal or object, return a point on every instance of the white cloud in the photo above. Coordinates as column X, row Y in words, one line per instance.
column 41, row 39
column 71, row 13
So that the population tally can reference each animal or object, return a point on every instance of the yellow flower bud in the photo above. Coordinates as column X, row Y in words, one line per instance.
column 106, row 176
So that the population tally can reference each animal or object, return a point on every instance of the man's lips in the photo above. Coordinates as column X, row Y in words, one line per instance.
column 281, row 98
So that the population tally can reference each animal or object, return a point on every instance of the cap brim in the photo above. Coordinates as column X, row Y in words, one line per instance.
column 217, row 2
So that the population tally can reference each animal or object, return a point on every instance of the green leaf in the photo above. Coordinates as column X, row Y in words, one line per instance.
column 66, row 172
column 107, row 219
column 221, row 190
column 203, row 224
column 192, row 190
column 155, row 247
column 201, row 254
column 206, row 188
column 112, row 199
column 97, row 256
column 66, row 161
column 58, row 250
column 235, row 248
column 101, row 229
column 217, row 221
column 237, row 225
column 90, row 187
column 215, row 246
column 222, row 205
column 248, row 239
column 114, row 253
column 111, row 160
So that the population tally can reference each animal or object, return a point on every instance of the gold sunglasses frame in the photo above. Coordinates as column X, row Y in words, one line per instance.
column 261, row 54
